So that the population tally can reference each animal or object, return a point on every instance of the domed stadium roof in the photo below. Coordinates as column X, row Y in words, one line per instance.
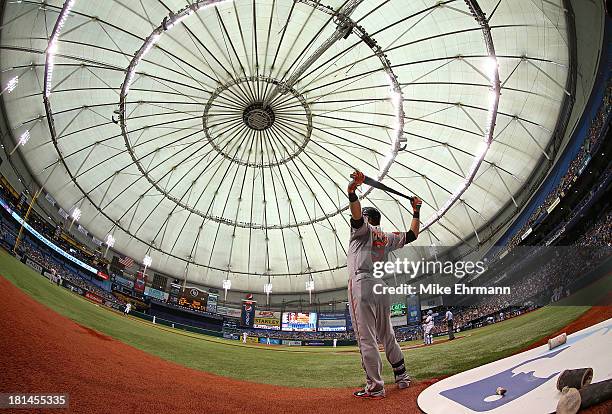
column 222, row 133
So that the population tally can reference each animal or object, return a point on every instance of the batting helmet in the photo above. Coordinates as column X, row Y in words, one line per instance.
column 372, row 214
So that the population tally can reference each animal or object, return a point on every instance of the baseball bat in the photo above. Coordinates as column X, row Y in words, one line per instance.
column 376, row 184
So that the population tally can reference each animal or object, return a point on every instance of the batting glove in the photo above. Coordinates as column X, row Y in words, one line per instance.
column 358, row 179
column 416, row 204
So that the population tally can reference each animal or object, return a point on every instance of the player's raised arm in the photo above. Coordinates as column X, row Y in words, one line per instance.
column 355, row 205
column 416, row 223
column 399, row 240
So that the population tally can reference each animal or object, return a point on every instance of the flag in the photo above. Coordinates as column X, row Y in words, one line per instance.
column 127, row 261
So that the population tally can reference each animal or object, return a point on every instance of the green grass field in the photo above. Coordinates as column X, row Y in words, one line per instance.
column 322, row 367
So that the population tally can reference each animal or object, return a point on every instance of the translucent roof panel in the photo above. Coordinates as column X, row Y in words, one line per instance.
column 219, row 137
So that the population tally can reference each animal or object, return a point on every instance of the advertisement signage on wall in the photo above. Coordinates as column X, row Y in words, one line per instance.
column 154, row 293
column 398, row 321
column 93, row 297
column 398, row 309
column 247, row 314
column 102, row 275
column 314, row 343
column 72, row 287
column 252, row 339
column 121, row 289
column 349, row 321
column 291, row 343
column 269, row 341
column 34, row 265
column 139, row 284
column 211, row 304
column 230, row 323
column 300, row 322
column 267, row 320
column 233, row 336
column 227, row 311
column 332, row 322
column 173, row 293
column 413, row 310
column 123, row 282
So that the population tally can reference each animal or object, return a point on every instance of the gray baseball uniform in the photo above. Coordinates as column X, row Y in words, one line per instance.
column 370, row 313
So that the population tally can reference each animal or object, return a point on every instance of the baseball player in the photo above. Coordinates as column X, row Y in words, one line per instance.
column 244, row 337
column 370, row 312
column 428, row 327
column 448, row 318
column 127, row 309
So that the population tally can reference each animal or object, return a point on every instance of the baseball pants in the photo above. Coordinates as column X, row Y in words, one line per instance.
column 451, row 330
column 371, row 318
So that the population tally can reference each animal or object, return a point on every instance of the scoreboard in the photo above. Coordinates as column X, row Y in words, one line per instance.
column 297, row 321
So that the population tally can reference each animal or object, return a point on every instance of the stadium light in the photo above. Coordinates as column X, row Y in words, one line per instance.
column 110, row 242
column 24, row 138
column 227, row 285
column 147, row 261
column 52, row 45
column 268, row 290
column 76, row 214
column 11, row 85
column 310, row 288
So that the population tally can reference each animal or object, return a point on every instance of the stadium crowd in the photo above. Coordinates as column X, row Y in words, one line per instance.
column 533, row 286
column 591, row 144
column 43, row 258
column 599, row 235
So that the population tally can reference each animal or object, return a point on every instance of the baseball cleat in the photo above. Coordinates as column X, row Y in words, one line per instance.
column 402, row 381
column 372, row 395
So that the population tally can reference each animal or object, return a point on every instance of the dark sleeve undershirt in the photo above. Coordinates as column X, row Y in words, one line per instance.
column 410, row 237
column 356, row 224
